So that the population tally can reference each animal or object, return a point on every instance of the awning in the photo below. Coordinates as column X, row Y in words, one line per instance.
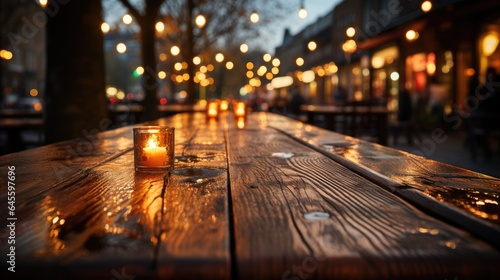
column 387, row 37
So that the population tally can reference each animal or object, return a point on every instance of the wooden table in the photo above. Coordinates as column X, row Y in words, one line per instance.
column 352, row 119
column 277, row 199
column 170, row 110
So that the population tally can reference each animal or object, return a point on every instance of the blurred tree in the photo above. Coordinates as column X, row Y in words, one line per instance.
column 227, row 22
column 227, row 25
column 119, row 71
column 75, row 87
column 147, row 20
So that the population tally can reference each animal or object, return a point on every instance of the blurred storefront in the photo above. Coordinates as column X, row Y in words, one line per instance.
column 432, row 49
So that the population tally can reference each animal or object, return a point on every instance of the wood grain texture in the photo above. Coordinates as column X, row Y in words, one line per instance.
column 101, row 219
column 260, row 200
column 359, row 230
column 474, row 193
column 195, row 240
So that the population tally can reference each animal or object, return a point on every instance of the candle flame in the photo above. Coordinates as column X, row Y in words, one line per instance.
column 212, row 112
column 240, row 111
column 152, row 142
column 240, row 105
column 224, row 105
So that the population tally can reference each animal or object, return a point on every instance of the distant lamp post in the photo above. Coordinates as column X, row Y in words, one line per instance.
column 127, row 19
column 244, row 48
column 302, row 11
column 254, row 17
column 490, row 44
column 411, row 35
column 105, row 28
column 426, row 6
column 312, row 46
column 121, row 48
column 350, row 32
column 200, row 20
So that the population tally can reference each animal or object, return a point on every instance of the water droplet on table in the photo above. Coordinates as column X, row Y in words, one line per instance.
column 317, row 216
column 283, row 155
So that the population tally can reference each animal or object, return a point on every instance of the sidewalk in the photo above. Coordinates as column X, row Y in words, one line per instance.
column 453, row 151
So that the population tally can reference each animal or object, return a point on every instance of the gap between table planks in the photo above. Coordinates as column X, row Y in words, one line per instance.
column 369, row 232
column 448, row 192
column 99, row 218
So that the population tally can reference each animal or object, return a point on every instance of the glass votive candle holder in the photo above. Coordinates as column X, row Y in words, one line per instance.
column 213, row 110
column 224, row 106
column 154, row 148
column 240, row 110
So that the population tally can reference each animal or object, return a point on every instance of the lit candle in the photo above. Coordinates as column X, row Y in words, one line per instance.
column 154, row 148
column 212, row 111
column 224, row 105
column 240, row 110
column 154, row 155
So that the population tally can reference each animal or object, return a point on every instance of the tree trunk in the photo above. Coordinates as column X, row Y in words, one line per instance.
column 191, row 86
column 75, row 79
column 149, row 78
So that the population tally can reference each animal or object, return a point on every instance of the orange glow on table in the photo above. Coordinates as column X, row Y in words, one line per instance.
column 212, row 111
column 240, row 110
column 241, row 122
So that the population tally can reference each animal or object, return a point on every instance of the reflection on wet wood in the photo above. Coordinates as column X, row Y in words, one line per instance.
column 258, row 198
column 470, row 197
column 195, row 239
column 298, row 213
column 89, row 215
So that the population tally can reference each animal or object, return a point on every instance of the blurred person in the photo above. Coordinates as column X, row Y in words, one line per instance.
column 484, row 104
column 438, row 96
column 405, row 118
column 296, row 100
column 405, row 107
column 491, row 92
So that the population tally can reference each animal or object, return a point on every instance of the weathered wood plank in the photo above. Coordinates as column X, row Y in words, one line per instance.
column 474, row 193
column 195, row 240
column 104, row 220
column 299, row 214
column 99, row 220
column 64, row 160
